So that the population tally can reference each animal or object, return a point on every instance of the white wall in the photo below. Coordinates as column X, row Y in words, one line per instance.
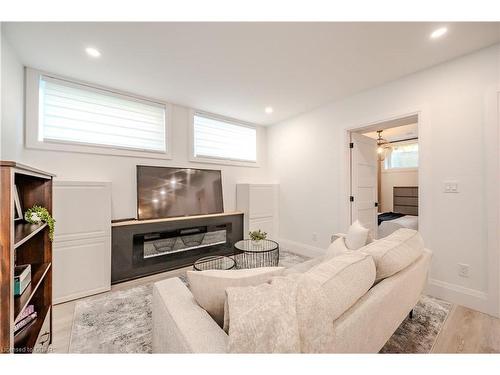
column 458, row 139
column 393, row 177
column 119, row 170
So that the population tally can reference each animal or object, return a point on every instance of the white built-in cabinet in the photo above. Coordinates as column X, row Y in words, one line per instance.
column 82, row 240
column 259, row 203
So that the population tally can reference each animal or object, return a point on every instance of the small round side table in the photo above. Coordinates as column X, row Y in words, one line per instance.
column 253, row 254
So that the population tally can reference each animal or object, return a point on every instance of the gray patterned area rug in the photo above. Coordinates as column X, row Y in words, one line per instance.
column 121, row 322
column 418, row 335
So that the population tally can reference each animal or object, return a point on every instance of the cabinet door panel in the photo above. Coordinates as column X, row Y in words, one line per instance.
column 82, row 240
column 81, row 268
column 261, row 201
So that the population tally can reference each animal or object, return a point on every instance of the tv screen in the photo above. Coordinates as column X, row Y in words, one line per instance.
column 170, row 192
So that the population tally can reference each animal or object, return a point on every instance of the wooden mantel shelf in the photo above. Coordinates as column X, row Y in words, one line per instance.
column 151, row 221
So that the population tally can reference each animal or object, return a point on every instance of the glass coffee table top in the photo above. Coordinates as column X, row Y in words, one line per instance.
column 256, row 246
column 214, row 262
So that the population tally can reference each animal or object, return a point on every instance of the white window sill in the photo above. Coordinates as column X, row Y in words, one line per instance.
column 237, row 163
column 399, row 170
column 97, row 150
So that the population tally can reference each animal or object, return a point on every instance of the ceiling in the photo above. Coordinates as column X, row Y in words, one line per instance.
column 237, row 69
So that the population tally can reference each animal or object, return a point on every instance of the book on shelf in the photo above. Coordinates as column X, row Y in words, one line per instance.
column 28, row 310
column 19, row 326
column 22, row 278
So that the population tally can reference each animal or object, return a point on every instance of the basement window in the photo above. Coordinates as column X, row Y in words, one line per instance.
column 402, row 156
column 217, row 139
column 67, row 115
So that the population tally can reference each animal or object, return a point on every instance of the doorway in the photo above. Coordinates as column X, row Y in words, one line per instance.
column 384, row 184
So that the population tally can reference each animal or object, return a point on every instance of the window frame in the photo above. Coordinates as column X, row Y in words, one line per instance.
column 402, row 169
column 222, row 160
column 32, row 125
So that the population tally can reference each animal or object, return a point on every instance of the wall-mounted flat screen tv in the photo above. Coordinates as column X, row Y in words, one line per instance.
column 171, row 192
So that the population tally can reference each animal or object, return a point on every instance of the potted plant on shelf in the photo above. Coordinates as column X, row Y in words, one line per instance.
column 39, row 214
column 257, row 236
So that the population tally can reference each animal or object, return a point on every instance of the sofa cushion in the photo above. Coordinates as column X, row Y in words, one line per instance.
column 357, row 236
column 344, row 279
column 209, row 287
column 395, row 252
column 303, row 266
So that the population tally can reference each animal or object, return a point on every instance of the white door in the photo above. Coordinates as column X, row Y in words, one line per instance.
column 364, row 181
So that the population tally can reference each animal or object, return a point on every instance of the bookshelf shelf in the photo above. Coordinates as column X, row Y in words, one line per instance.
column 24, row 231
column 28, row 336
column 38, row 272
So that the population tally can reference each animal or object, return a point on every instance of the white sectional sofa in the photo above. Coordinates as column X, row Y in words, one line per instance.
column 180, row 325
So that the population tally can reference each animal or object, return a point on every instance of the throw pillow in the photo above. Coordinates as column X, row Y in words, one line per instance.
column 336, row 248
column 357, row 236
column 209, row 287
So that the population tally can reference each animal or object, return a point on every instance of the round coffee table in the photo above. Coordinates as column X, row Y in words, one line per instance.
column 253, row 254
column 214, row 262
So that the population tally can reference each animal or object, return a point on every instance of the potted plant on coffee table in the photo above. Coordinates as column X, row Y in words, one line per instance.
column 257, row 236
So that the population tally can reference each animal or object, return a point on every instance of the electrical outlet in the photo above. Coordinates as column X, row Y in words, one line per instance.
column 315, row 237
column 463, row 270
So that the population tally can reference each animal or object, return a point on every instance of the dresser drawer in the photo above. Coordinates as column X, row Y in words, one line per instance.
column 43, row 339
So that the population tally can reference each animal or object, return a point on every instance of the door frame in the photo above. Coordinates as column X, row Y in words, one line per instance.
column 371, row 124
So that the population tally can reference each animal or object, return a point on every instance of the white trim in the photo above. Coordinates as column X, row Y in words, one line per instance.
column 79, row 295
column 300, row 248
column 471, row 298
column 366, row 125
column 32, row 78
column 221, row 161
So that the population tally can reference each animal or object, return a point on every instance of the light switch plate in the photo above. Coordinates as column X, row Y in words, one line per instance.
column 451, row 187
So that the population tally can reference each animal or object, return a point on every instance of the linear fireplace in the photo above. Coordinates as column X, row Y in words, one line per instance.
column 144, row 247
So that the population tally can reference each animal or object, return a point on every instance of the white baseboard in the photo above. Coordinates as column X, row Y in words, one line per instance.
column 86, row 293
column 300, row 248
column 471, row 298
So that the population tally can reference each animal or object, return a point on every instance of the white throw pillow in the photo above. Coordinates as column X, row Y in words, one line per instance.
column 336, row 248
column 209, row 287
column 395, row 252
column 357, row 236
column 344, row 279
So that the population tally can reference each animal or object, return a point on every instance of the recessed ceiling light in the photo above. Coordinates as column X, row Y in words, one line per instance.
column 269, row 110
column 439, row 32
column 91, row 51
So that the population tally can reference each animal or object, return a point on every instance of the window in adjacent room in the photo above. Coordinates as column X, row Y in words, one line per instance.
column 70, row 116
column 402, row 156
column 219, row 139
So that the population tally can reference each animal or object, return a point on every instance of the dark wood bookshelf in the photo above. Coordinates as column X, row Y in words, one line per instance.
column 24, row 243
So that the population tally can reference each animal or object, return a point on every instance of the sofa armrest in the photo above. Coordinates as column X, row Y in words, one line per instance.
column 180, row 325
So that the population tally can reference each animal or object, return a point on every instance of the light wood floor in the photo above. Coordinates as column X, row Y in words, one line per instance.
column 465, row 330
column 468, row 331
